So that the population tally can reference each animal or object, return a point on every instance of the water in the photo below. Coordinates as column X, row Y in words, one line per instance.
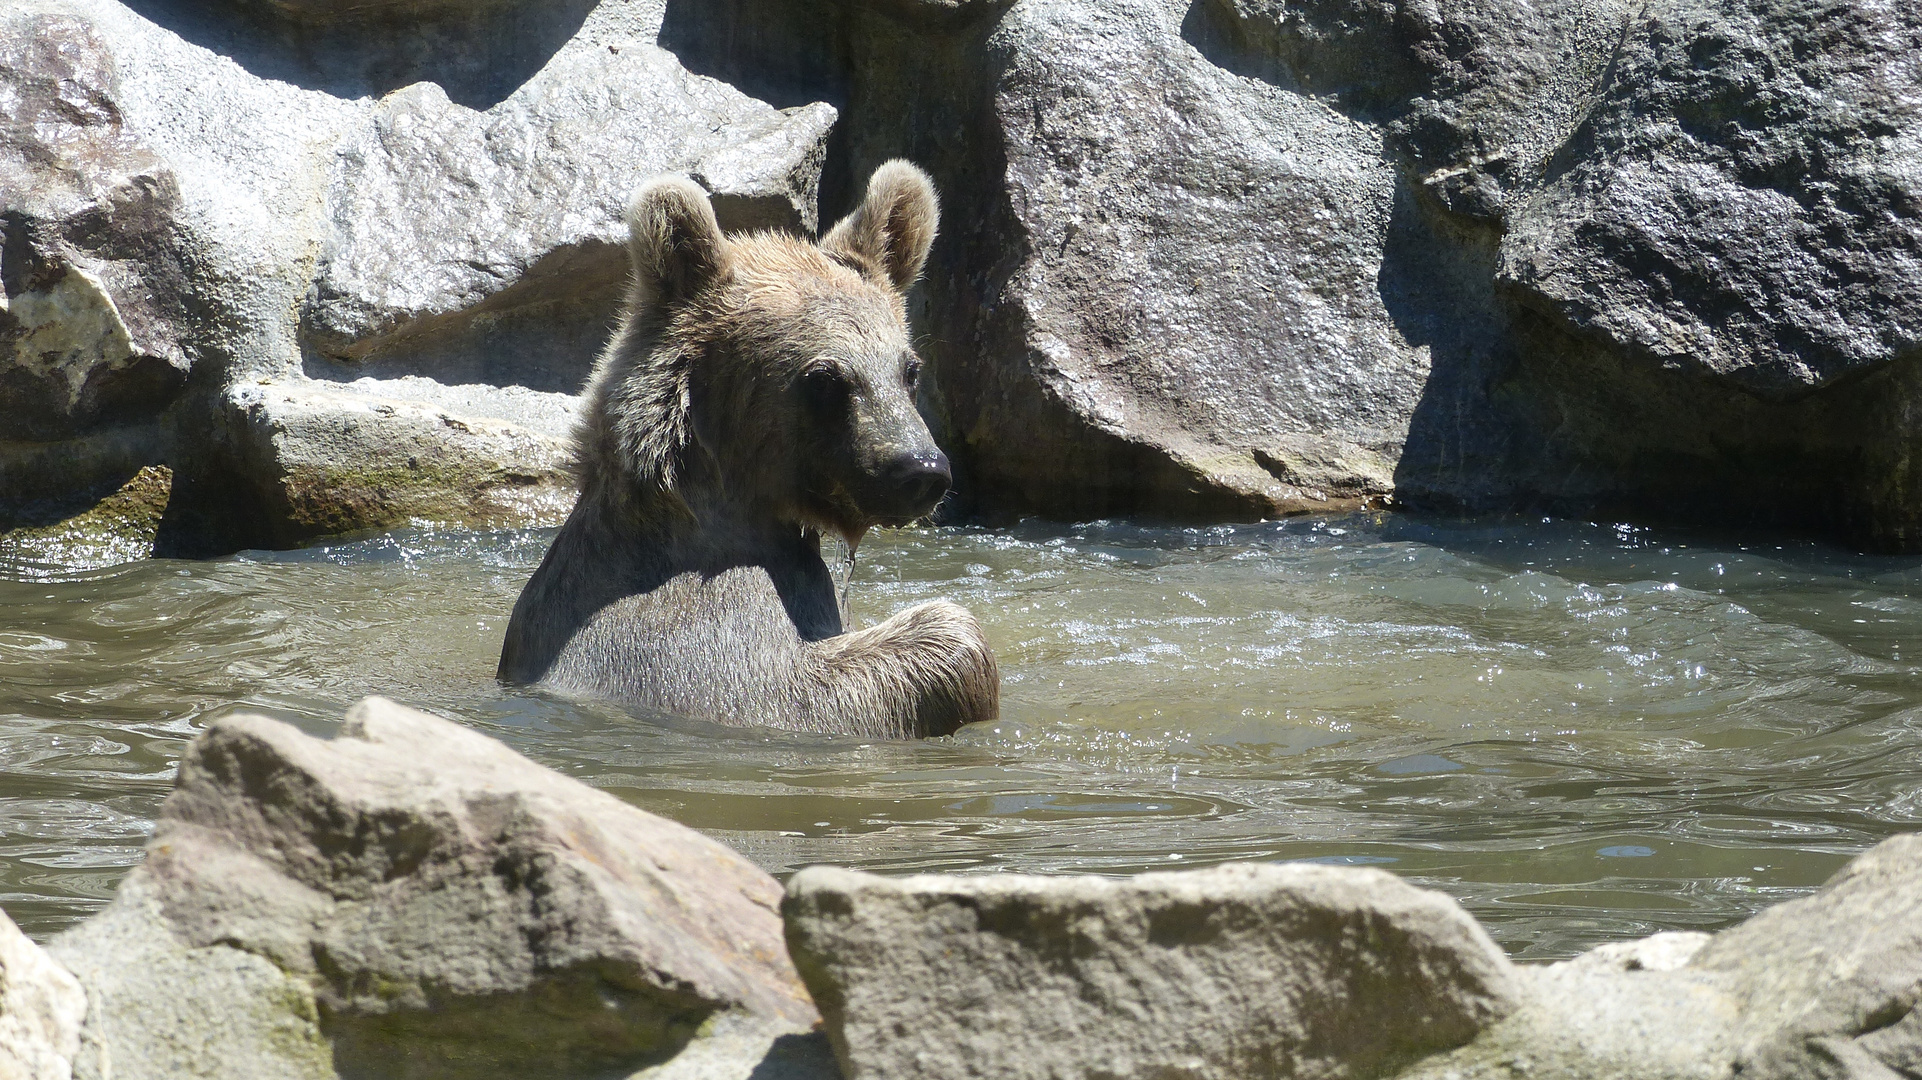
column 1584, row 732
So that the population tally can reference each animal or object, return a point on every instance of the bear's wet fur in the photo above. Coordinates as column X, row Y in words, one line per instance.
column 758, row 393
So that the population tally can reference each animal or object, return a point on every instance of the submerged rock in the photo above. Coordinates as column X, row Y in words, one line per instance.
column 41, row 1008
column 1238, row 972
column 119, row 528
column 412, row 899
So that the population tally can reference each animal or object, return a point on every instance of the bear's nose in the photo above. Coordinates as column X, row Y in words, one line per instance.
column 921, row 478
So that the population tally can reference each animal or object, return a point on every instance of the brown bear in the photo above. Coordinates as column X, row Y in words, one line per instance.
column 758, row 393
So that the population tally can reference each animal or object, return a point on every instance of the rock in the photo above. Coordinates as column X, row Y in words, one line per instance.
column 326, row 458
column 92, row 296
column 1190, row 326
column 41, row 1008
column 1241, row 971
column 412, row 899
column 259, row 194
column 1833, row 978
column 1472, row 95
column 1742, row 201
column 1826, row 986
column 119, row 528
column 442, row 213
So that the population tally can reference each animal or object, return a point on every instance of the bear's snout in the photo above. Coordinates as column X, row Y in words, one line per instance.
column 919, row 480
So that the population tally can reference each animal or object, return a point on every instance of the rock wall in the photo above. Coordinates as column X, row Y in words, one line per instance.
column 342, row 265
column 413, row 900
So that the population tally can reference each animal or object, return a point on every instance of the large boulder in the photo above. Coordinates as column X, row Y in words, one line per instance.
column 224, row 216
column 1743, row 200
column 1239, row 972
column 412, row 899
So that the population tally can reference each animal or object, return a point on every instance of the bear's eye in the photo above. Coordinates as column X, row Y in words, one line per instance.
column 913, row 371
column 825, row 389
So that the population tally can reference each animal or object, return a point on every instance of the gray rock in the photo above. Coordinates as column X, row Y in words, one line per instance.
column 1743, row 201
column 412, row 899
column 1162, row 303
column 442, row 212
column 1238, row 972
column 294, row 227
column 41, row 1008
column 92, row 299
column 1825, row 986
column 1473, row 95
column 324, row 458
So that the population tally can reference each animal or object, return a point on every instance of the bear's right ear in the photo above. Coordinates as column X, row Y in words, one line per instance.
column 674, row 240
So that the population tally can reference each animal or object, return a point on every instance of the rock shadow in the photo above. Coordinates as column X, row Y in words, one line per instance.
column 1437, row 283
column 478, row 53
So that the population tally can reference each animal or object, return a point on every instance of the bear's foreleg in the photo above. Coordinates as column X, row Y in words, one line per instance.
column 925, row 671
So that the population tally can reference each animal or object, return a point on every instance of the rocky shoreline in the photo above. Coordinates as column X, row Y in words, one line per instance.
column 413, row 899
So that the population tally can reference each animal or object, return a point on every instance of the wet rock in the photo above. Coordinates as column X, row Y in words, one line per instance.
column 41, row 1008
column 121, row 527
column 323, row 458
column 412, row 899
column 93, row 302
column 1239, row 972
column 1742, row 201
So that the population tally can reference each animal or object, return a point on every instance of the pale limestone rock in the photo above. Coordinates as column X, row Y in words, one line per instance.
column 41, row 1007
column 1239, row 972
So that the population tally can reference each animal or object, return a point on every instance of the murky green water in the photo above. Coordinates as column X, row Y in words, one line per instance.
column 1584, row 732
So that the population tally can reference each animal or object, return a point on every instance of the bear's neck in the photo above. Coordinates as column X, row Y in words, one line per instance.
column 694, row 526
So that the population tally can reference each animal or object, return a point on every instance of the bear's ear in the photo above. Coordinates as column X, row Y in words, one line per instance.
column 894, row 226
column 673, row 239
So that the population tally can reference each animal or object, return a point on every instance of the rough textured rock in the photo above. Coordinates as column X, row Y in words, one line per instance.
column 1588, row 256
column 412, row 899
column 203, row 199
column 1473, row 96
column 1743, row 200
column 93, row 297
column 118, row 528
column 41, row 1008
column 1241, row 971
column 1825, row 986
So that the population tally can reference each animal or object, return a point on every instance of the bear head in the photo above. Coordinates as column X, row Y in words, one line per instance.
column 775, row 373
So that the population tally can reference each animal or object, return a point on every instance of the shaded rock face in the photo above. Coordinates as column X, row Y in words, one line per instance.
column 415, row 900
column 310, row 236
column 1242, row 971
column 93, row 296
column 89, row 532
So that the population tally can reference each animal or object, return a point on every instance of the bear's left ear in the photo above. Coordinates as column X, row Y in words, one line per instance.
column 894, row 226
